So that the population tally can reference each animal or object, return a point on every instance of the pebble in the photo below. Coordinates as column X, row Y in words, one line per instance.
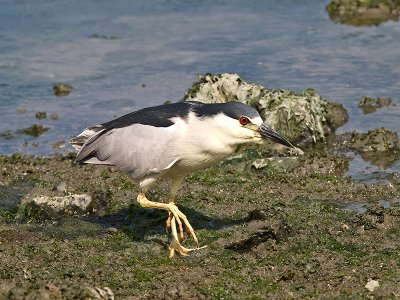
column 372, row 285
column 62, row 187
column 112, row 230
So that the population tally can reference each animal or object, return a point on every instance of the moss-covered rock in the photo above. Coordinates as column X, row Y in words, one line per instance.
column 363, row 12
column 302, row 117
column 34, row 130
column 6, row 135
column 379, row 146
column 370, row 105
column 376, row 140
column 62, row 89
column 41, row 115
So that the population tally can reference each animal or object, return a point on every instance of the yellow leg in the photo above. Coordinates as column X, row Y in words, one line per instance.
column 175, row 185
column 177, row 217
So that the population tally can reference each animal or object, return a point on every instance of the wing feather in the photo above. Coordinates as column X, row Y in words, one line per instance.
column 137, row 149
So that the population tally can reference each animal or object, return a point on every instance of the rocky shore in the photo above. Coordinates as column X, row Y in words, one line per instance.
column 278, row 225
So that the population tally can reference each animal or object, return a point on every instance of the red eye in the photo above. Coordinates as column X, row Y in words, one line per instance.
column 244, row 120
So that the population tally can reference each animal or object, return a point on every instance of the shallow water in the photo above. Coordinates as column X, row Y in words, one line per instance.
column 107, row 50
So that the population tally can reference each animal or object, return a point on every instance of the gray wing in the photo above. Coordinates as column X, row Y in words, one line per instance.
column 137, row 149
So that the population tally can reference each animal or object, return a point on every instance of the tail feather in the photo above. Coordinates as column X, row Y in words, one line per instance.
column 83, row 140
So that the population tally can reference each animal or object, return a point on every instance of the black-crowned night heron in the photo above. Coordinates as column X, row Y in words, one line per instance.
column 172, row 141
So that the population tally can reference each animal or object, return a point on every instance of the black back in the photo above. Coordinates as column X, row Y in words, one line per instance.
column 160, row 116
column 157, row 116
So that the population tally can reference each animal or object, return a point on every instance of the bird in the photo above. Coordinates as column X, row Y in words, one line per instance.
column 172, row 141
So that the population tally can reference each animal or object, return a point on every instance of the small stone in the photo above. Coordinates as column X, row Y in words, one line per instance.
column 372, row 285
column 62, row 187
column 21, row 110
column 54, row 117
column 58, row 144
column 345, row 226
column 172, row 291
column 112, row 230
column 395, row 179
column 62, row 89
column 35, row 130
column 6, row 135
column 41, row 115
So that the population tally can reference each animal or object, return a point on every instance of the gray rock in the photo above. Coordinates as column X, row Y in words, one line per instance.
column 62, row 187
column 72, row 202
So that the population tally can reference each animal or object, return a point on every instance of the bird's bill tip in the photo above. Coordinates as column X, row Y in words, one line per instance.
column 271, row 134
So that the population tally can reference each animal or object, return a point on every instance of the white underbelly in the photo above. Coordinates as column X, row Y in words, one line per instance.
column 197, row 162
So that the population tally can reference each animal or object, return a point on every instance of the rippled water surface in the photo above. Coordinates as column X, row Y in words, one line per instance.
column 124, row 55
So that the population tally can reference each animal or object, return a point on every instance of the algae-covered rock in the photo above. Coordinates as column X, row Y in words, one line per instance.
column 34, row 130
column 62, row 89
column 301, row 117
column 338, row 114
column 363, row 12
column 6, row 135
column 370, row 105
column 41, row 115
column 377, row 140
column 379, row 146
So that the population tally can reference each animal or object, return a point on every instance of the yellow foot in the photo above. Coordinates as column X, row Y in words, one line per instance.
column 174, row 214
column 175, row 246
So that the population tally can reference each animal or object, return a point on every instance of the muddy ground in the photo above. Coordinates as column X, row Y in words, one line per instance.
column 271, row 234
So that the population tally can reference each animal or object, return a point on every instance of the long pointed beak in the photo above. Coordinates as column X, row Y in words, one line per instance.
column 267, row 132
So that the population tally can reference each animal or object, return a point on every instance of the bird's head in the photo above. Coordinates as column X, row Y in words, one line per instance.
column 261, row 131
column 243, row 123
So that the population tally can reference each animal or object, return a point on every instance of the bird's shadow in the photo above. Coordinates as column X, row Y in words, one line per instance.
column 139, row 223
